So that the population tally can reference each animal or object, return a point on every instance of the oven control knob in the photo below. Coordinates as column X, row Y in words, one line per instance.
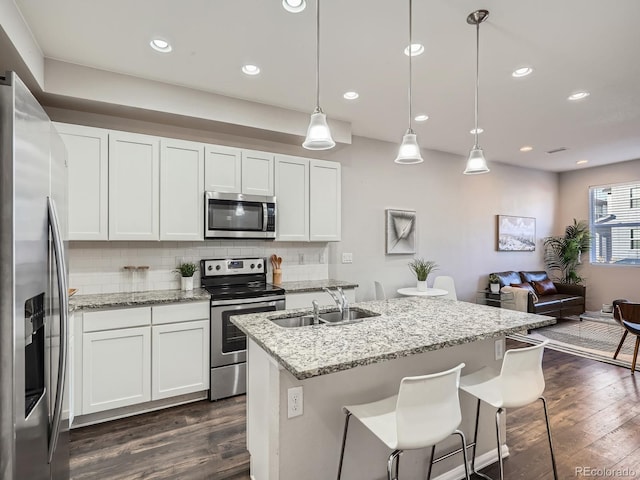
column 209, row 268
column 253, row 265
column 259, row 265
column 217, row 267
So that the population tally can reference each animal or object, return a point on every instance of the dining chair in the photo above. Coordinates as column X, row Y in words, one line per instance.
column 629, row 314
column 379, row 288
column 425, row 411
column 448, row 284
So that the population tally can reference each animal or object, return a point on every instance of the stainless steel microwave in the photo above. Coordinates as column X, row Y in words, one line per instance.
column 235, row 215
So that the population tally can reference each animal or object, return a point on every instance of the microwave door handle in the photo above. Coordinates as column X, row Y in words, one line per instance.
column 265, row 217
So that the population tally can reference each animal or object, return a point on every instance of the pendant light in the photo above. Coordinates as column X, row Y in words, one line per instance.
column 318, row 133
column 409, row 151
column 476, row 162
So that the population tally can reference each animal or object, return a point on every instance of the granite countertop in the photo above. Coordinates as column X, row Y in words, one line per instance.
column 405, row 326
column 114, row 300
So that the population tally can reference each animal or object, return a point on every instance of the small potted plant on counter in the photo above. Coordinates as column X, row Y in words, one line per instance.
column 494, row 283
column 186, row 271
column 421, row 269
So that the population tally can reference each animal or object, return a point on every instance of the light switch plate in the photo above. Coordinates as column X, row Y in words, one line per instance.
column 347, row 258
column 499, row 349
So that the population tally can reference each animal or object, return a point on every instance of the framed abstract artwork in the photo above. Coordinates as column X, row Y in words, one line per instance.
column 401, row 231
column 516, row 234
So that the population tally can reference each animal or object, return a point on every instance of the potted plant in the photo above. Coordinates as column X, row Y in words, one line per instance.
column 563, row 254
column 494, row 283
column 421, row 269
column 186, row 271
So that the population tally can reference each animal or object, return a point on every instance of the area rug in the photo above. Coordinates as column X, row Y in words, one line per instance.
column 597, row 340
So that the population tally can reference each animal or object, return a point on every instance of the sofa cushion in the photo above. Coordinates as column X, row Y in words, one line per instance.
column 537, row 276
column 507, row 278
column 544, row 287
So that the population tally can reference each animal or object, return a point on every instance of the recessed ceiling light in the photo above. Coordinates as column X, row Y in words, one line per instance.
column 351, row 95
column 522, row 72
column 526, row 148
column 250, row 69
column 416, row 49
column 578, row 95
column 294, row 6
column 582, row 162
column 421, row 118
column 473, row 131
column 160, row 45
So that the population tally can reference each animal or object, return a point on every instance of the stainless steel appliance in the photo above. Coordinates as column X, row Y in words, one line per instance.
column 237, row 286
column 34, row 412
column 235, row 215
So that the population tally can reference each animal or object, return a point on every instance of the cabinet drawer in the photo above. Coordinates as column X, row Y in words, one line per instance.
column 114, row 319
column 181, row 312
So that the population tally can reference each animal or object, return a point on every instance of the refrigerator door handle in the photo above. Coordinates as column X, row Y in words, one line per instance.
column 64, row 324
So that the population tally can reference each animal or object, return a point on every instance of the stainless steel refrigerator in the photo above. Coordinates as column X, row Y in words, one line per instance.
column 34, row 327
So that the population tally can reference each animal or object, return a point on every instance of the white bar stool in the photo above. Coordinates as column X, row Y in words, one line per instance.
column 519, row 383
column 425, row 411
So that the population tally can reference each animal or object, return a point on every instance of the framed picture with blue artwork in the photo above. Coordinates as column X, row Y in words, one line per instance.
column 401, row 232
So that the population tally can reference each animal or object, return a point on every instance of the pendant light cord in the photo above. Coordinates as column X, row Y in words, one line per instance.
column 318, row 55
column 477, row 77
column 410, row 55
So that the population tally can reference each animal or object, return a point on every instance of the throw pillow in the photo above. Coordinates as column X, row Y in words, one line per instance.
column 544, row 287
column 527, row 286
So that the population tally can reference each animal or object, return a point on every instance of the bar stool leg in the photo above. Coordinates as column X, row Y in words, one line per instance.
column 475, row 444
column 635, row 355
column 624, row 336
column 395, row 456
column 553, row 457
column 433, row 453
column 464, row 453
column 344, row 441
column 498, row 412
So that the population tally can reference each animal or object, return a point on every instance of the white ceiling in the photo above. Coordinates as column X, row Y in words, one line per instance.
column 571, row 44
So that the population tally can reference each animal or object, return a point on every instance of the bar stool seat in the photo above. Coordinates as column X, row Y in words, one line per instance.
column 425, row 411
column 520, row 382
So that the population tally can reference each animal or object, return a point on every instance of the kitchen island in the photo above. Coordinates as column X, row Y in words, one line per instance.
column 357, row 363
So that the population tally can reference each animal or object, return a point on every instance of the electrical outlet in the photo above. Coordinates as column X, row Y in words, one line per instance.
column 295, row 402
column 347, row 258
column 499, row 349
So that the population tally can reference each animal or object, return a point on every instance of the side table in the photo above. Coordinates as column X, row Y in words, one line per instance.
column 486, row 297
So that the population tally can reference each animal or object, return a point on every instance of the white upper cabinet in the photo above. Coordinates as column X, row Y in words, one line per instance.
column 257, row 173
column 324, row 201
column 87, row 156
column 292, row 193
column 223, row 169
column 181, row 190
column 233, row 170
column 134, row 163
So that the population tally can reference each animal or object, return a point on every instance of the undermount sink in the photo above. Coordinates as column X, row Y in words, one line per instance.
column 291, row 322
column 354, row 316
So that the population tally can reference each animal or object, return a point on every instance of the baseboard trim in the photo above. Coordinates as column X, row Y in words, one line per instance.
column 481, row 461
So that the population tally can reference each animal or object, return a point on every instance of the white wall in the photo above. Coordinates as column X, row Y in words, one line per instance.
column 604, row 282
column 456, row 216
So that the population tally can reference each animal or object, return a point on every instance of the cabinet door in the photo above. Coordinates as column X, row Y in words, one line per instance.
column 88, row 180
column 222, row 169
column 180, row 362
column 257, row 173
column 116, row 368
column 181, row 190
column 324, row 201
column 133, row 186
column 292, row 194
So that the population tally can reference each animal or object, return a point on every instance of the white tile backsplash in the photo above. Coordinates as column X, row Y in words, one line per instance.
column 97, row 267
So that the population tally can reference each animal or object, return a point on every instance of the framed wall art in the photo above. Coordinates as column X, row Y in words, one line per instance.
column 401, row 231
column 516, row 234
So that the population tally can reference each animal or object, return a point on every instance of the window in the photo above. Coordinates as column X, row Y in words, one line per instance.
column 614, row 223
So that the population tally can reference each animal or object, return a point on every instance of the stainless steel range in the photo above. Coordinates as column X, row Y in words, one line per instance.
column 237, row 286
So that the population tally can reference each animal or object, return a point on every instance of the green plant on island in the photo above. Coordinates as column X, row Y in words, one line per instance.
column 562, row 255
column 422, row 268
column 186, row 269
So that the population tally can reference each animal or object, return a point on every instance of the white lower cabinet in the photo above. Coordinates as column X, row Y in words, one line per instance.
column 116, row 368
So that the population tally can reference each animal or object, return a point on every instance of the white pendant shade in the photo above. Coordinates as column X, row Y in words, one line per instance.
column 318, row 133
column 476, row 162
column 409, row 150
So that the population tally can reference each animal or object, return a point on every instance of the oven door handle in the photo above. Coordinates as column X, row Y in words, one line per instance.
column 254, row 302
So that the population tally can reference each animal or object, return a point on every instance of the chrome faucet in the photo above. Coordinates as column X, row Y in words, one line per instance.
column 341, row 301
column 316, row 318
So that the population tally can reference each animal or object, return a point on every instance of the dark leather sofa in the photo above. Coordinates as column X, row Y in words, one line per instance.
column 566, row 301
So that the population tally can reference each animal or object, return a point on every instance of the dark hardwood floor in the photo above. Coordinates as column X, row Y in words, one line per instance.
column 594, row 409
